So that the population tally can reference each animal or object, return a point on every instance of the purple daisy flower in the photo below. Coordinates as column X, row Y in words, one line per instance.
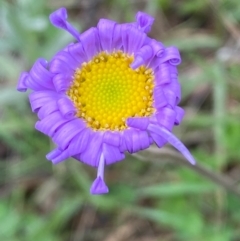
column 114, row 90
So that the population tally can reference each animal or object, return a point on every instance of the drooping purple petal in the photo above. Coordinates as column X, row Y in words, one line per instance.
column 99, row 186
column 66, row 108
column 173, row 140
column 59, row 20
column 144, row 21
column 140, row 123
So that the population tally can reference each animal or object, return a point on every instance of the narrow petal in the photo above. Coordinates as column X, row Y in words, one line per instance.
column 173, row 140
column 66, row 108
column 59, row 20
column 144, row 21
column 140, row 123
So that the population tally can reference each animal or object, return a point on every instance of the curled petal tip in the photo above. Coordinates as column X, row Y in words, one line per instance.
column 22, row 82
column 59, row 20
column 98, row 187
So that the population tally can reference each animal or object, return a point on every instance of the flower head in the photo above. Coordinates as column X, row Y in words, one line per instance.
column 114, row 90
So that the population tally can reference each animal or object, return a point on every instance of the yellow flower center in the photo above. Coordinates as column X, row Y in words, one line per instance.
column 106, row 91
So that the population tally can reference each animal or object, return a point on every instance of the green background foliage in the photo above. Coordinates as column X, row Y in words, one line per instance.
column 154, row 195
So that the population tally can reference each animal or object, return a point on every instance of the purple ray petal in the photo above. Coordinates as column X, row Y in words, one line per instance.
column 171, row 55
column 132, row 39
column 22, row 87
column 78, row 53
column 173, row 140
column 59, row 20
column 160, row 99
column 58, row 66
column 106, row 32
column 54, row 153
column 112, row 138
column 166, row 117
column 40, row 98
column 51, row 123
column 140, row 123
column 90, row 43
column 92, row 154
column 144, row 21
column 143, row 140
column 99, row 186
column 66, row 108
column 179, row 115
column 47, row 109
column 39, row 74
column 62, row 82
column 65, row 134
column 142, row 56
column 117, row 37
column 163, row 74
column 112, row 154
